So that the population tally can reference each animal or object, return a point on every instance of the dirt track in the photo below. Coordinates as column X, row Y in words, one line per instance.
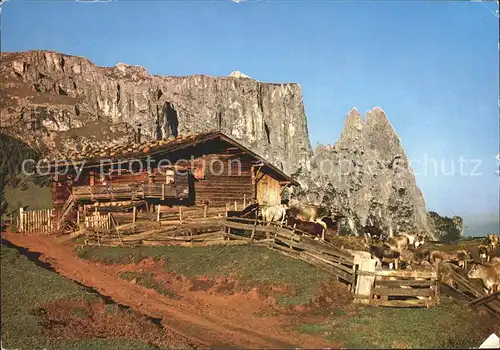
column 206, row 321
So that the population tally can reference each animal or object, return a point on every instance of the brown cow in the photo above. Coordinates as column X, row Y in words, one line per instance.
column 493, row 241
column 489, row 274
column 384, row 255
column 313, row 228
column 307, row 212
column 398, row 243
column 419, row 256
column 461, row 257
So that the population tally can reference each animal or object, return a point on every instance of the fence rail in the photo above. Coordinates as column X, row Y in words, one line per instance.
column 39, row 221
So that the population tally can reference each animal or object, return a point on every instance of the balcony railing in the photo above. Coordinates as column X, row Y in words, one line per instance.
column 164, row 191
column 109, row 192
column 130, row 191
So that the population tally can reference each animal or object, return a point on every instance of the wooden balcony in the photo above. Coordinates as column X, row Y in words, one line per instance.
column 164, row 191
column 130, row 191
column 109, row 192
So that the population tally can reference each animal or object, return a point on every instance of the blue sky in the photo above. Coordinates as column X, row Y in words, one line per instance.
column 432, row 66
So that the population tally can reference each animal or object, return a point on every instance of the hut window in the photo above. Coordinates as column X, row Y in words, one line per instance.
column 170, row 177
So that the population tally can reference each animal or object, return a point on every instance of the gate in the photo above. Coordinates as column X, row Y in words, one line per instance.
column 98, row 220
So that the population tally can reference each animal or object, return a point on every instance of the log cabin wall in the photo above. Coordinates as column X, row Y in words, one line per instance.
column 268, row 190
column 218, row 175
column 224, row 181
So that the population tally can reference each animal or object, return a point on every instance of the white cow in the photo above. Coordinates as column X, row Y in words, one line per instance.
column 274, row 213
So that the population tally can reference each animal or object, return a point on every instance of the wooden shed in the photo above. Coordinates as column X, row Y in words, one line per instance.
column 195, row 172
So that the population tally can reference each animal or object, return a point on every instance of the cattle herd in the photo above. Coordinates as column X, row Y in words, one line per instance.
column 403, row 250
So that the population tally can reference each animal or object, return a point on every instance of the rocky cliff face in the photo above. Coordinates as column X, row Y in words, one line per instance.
column 58, row 103
column 366, row 177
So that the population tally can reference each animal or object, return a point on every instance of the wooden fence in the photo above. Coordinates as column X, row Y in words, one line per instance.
column 456, row 285
column 98, row 221
column 36, row 221
column 237, row 230
column 396, row 288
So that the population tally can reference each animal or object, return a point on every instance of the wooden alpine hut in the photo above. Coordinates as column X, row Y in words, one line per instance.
column 199, row 175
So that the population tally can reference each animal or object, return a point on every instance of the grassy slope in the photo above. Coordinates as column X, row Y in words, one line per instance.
column 446, row 326
column 443, row 326
column 252, row 266
column 25, row 286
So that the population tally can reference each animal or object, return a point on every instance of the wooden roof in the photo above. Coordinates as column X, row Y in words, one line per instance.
column 93, row 156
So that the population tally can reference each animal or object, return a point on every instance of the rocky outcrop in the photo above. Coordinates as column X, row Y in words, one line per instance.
column 446, row 229
column 366, row 177
column 57, row 103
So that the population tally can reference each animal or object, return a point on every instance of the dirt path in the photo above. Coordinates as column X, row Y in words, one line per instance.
column 204, row 325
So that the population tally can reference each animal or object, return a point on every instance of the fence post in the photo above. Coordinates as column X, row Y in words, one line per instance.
column 235, row 206
column 180, row 214
column 158, row 213
column 134, row 213
column 21, row 214
column 78, row 217
column 364, row 283
column 205, row 209
column 253, row 229
column 244, row 201
column 49, row 220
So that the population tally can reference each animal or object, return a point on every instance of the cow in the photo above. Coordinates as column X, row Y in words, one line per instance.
column 419, row 256
column 493, row 241
column 307, row 212
column 374, row 233
column 421, row 240
column 332, row 224
column 384, row 255
column 461, row 257
column 414, row 240
column 398, row 243
column 489, row 274
column 484, row 253
column 274, row 213
column 313, row 228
